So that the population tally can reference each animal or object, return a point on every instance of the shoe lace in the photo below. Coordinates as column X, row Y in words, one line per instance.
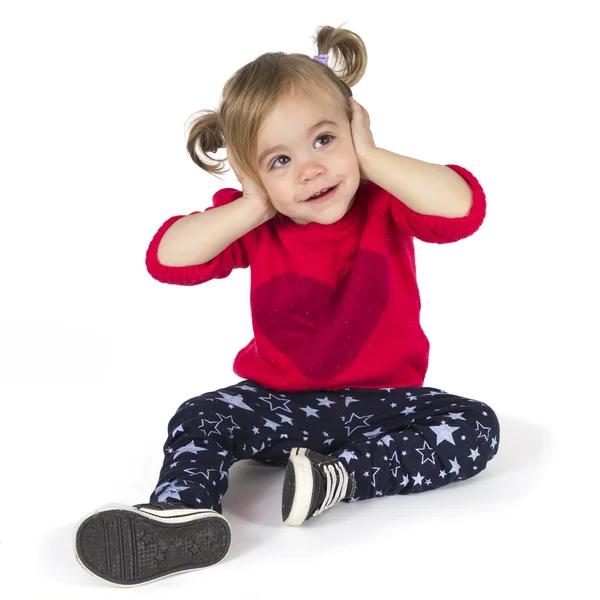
column 336, row 485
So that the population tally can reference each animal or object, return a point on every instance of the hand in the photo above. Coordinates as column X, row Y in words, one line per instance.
column 252, row 191
column 361, row 133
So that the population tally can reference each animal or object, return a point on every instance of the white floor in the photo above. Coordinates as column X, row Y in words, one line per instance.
column 95, row 356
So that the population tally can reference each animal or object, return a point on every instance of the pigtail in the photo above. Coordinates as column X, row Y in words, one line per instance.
column 348, row 54
column 206, row 136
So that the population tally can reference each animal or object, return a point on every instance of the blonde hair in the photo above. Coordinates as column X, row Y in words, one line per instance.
column 252, row 92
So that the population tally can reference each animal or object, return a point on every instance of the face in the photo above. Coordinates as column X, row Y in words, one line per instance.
column 305, row 146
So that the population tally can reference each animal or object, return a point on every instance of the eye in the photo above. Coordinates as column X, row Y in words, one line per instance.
column 274, row 163
column 327, row 137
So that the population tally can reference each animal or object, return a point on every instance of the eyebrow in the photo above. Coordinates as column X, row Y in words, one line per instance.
column 280, row 147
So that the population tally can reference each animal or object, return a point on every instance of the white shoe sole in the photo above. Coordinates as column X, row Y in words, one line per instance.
column 298, row 483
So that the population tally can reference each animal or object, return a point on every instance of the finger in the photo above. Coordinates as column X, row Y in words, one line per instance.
column 356, row 104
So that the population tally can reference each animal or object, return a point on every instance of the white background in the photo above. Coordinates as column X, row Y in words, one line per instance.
column 96, row 356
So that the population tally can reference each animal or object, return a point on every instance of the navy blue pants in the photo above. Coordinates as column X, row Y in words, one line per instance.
column 394, row 441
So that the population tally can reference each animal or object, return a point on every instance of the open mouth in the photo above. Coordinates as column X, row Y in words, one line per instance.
column 324, row 194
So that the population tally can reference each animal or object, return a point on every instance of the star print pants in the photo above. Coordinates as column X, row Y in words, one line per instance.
column 393, row 441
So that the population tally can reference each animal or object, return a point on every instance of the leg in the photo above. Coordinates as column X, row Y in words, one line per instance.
column 384, row 442
column 211, row 432
column 431, row 439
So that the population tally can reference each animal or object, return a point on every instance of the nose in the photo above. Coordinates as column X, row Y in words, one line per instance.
column 309, row 170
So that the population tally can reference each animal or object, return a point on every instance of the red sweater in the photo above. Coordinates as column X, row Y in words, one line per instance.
column 333, row 306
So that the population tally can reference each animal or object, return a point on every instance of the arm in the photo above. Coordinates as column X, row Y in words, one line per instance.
column 435, row 228
column 206, row 245
column 434, row 203
column 426, row 188
column 200, row 237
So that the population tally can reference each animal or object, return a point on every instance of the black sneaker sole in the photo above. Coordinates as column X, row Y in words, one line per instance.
column 126, row 547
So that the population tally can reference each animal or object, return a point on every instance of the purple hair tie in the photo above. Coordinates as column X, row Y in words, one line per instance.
column 322, row 58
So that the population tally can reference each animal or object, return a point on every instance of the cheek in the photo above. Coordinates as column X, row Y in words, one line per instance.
column 348, row 155
column 277, row 190
column 351, row 162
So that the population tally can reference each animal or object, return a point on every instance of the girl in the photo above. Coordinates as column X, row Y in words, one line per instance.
column 332, row 383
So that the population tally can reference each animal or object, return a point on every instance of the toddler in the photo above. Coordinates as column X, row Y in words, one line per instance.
column 331, row 385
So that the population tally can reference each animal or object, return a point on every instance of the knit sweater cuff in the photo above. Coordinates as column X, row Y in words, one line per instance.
column 189, row 275
column 442, row 230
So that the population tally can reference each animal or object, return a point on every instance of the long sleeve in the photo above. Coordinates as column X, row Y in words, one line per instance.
column 442, row 230
column 237, row 255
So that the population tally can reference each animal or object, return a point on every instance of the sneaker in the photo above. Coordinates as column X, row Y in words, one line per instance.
column 313, row 483
column 129, row 546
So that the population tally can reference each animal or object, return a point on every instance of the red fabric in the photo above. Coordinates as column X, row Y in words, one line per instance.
column 333, row 306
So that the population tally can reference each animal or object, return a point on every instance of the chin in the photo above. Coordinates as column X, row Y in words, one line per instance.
column 334, row 218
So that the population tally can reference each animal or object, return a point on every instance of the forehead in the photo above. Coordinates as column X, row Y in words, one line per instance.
column 294, row 114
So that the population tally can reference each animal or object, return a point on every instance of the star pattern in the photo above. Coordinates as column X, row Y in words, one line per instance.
column 191, row 447
column 276, row 403
column 398, row 441
column 232, row 400
column 325, row 402
column 443, row 432
column 427, row 454
column 354, row 419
